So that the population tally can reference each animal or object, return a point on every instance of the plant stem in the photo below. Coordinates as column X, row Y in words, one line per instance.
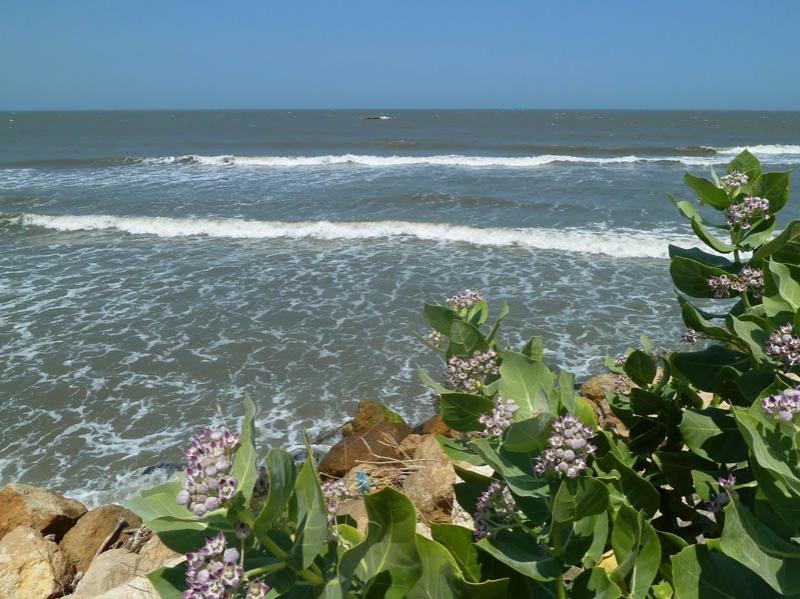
column 746, row 301
column 265, row 569
column 273, row 548
column 561, row 592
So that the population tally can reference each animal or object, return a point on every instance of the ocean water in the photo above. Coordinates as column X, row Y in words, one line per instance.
column 157, row 266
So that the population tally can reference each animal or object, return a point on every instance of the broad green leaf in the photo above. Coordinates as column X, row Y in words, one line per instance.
column 458, row 450
column 534, row 348
column 788, row 288
column 312, row 517
column 458, row 540
column 745, row 163
column 699, row 228
column 429, row 382
column 440, row 577
column 678, row 467
column 159, row 502
column 461, row 411
column 637, row 550
column 752, row 334
column 578, row 498
column 639, row 493
column 640, row 367
column 281, row 474
column 439, row 318
column 527, row 383
column 707, row 192
column 465, row 340
column 582, row 541
column 712, row 434
column 704, row 574
column 775, row 187
column 503, row 313
column 594, row 584
column 789, row 235
column 515, row 468
column 519, row 551
column 528, row 435
column 244, row 461
column 702, row 368
column 182, row 536
column 699, row 255
column 691, row 276
column 775, row 560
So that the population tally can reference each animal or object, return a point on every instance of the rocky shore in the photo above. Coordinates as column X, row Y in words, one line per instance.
column 51, row 546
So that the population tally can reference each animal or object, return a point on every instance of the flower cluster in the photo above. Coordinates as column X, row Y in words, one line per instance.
column 500, row 418
column 721, row 499
column 622, row 384
column 784, row 405
column 750, row 279
column 208, row 482
column 690, row 337
column 734, row 179
column 783, row 346
column 334, row 491
column 568, row 448
column 494, row 509
column 744, row 212
column 213, row 570
column 464, row 300
column 620, row 360
column 468, row 374
column 434, row 338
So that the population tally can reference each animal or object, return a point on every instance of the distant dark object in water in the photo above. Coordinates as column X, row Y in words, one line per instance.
column 326, row 435
column 381, row 117
column 166, row 467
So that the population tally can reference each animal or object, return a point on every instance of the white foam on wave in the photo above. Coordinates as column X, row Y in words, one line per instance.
column 623, row 243
column 771, row 150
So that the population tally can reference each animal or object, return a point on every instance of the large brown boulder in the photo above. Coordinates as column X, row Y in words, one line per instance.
column 110, row 569
column 430, row 486
column 435, row 425
column 102, row 525
column 32, row 567
column 594, row 390
column 372, row 436
column 49, row 513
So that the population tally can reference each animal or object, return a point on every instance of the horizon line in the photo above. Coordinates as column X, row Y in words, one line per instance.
column 388, row 109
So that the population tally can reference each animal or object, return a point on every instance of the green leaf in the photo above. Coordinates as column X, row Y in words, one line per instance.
column 159, row 502
column 640, row 494
column 458, row 540
column 678, row 467
column 788, row 288
column 461, row 411
column 465, row 340
column 578, row 498
column 789, row 235
column 707, row 192
column 702, row 368
column 528, row 435
column 745, row 163
column 170, row 582
column 526, row 382
column 594, row 584
column 458, row 450
column 429, row 382
column 704, row 574
column 699, row 228
column 515, row 468
column 712, row 434
column 582, row 541
column 519, row 551
column 752, row 334
column 534, row 348
column 699, row 255
column 312, row 517
column 244, row 460
column 440, row 578
column 752, row 544
column 439, row 318
column 640, row 367
column 775, row 187
column 691, row 276
column 281, row 474
column 637, row 550
column 503, row 313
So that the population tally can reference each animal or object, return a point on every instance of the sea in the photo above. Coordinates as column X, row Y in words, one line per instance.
column 158, row 266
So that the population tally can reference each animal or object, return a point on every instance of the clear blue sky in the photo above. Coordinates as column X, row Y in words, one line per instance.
column 404, row 54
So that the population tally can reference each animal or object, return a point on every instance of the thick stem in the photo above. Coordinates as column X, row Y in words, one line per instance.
column 273, row 548
column 746, row 301
column 264, row 570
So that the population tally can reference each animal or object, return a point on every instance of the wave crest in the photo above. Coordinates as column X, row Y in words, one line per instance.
column 623, row 243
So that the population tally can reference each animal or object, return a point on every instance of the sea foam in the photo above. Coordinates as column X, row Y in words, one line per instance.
column 624, row 243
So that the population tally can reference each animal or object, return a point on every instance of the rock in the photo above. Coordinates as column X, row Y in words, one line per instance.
column 32, row 567
column 594, row 390
column 430, row 487
column 356, row 509
column 375, row 434
column 435, row 425
column 84, row 539
column 155, row 554
column 408, row 446
column 108, row 570
column 138, row 587
column 49, row 513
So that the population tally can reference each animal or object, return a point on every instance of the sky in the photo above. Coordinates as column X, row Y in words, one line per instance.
column 114, row 54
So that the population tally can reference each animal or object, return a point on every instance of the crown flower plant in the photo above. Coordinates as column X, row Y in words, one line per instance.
column 682, row 482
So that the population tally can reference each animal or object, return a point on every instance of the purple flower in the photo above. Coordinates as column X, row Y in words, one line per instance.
column 334, row 491
column 257, row 589
column 500, row 418
column 734, row 179
column 690, row 337
column 743, row 213
column 468, row 374
column 494, row 509
column 749, row 279
column 213, row 571
column 464, row 300
column 435, row 338
column 568, row 448
column 784, row 405
column 209, row 458
column 620, row 360
column 784, row 347
column 727, row 483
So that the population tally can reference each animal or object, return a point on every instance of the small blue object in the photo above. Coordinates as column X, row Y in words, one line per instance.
column 362, row 482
